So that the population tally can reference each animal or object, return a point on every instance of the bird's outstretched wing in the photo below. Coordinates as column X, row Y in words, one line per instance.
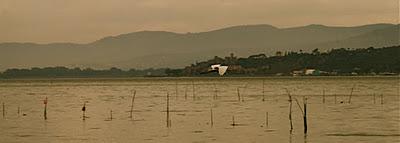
column 222, row 70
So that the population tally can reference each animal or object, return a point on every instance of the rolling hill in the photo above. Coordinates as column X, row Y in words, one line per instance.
column 146, row 49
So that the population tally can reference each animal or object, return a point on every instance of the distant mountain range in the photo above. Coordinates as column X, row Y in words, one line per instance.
column 146, row 49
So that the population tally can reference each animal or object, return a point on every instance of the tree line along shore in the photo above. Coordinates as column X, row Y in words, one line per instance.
column 335, row 62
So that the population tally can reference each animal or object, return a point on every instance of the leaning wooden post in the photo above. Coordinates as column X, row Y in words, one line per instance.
column 133, row 100
column 45, row 108
column 351, row 93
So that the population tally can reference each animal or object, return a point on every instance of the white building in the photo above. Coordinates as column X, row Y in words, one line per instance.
column 309, row 71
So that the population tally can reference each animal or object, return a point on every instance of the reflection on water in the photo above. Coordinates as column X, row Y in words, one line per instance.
column 372, row 116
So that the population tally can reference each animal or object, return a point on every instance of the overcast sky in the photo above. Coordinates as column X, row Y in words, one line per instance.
column 82, row 21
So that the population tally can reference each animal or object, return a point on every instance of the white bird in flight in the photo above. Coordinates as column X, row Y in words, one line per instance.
column 221, row 69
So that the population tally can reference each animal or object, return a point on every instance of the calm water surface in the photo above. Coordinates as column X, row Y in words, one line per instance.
column 373, row 115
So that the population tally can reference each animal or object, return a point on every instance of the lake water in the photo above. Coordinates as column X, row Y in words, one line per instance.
column 362, row 120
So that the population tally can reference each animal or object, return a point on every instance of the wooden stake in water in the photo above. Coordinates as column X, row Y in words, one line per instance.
column 304, row 112
column 290, row 111
column 111, row 117
column 133, row 101
column 244, row 91
column 4, row 110
column 381, row 98
column 233, row 121
column 84, row 111
column 211, row 118
column 193, row 91
column 305, row 115
column 238, row 93
column 186, row 89
column 45, row 108
column 18, row 110
column 168, row 120
column 335, row 98
column 374, row 99
column 176, row 90
column 323, row 96
column 266, row 119
column 215, row 92
column 263, row 90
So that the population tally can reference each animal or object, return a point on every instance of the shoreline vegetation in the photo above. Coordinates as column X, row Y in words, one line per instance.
column 184, row 77
column 336, row 62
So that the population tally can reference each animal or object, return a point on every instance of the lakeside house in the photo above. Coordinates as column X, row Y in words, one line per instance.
column 311, row 72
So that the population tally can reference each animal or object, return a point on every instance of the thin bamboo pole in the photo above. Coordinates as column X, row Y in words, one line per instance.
column 263, row 90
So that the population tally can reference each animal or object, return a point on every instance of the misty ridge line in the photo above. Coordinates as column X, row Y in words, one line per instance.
column 190, row 33
column 160, row 49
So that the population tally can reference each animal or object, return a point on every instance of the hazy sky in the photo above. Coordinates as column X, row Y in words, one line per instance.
column 83, row 21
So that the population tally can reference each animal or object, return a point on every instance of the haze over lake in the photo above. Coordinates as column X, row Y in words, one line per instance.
column 372, row 116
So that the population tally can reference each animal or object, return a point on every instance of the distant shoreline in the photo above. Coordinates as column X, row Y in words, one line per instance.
column 194, row 77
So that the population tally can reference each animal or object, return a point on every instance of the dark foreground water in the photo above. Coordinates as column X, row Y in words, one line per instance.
column 373, row 115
